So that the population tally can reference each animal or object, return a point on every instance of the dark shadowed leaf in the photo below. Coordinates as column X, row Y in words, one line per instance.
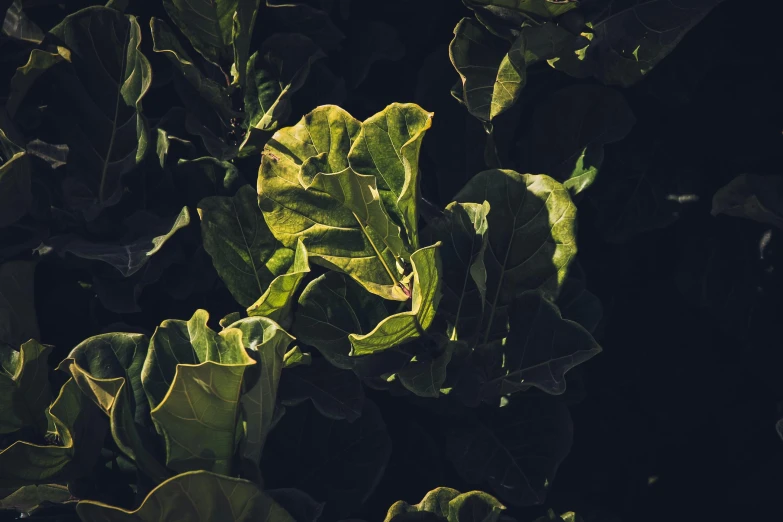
column 751, row 196
column 540, row 8
column 18, row 323
column 336, row 393
column 24, row 387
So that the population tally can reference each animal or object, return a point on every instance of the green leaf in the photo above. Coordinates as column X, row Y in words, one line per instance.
column 274, row 74
column 531, row 239
column 25, row 76
column 542, row 8
column 130, row 256
column 332, row 307
column 243, row 250
column 24, row 387
column 29, row 498
column 750, row 196
column 266, row 343
column 76, row 422
column 425, row 374
column 192, row 342
column 98, row 102
column 18, row 321
column 388, row 147
column 463, row 232
column 336, row 393
column 307, row 190
column 15, row 188
column 107, row 368
column 493, row 75
column 304, row 447
column 405, row 326
column 164, row 41
column 540, row 348
column 567, row 134
column 516, row 451
column 195, row 495
column 626, row 42
column 244, row 22
column 449, row 505
column 275, row 303
column 209, row 24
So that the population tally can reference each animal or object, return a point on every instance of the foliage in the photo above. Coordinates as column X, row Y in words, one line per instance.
column 237, row 283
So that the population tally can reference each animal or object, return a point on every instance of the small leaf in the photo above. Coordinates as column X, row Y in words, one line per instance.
column 405, row 326
column 194, row 495
column 25, row 76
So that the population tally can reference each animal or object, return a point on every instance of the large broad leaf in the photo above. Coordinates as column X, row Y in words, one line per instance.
column 388, row 148
column 107, row 368
column 18, row 322
column 97, row 106
column 540, row 348
column 307, row 190
column 24, row 387
column 450, row 505
column 405, row 326
column 463, row 232
column 542, row 8
column 274, row 74
column 337, row 462
column 566, row 136
column 266, row 343
column 29, row 498
column 130, row 255
column 628, row 40
column 336, row 393
column 331, row 308
column 209, row 24
column 195, row 495
column 164, row 41
column 516, row 451
column 531, row 239
column 493, row 75
column 751, row 196
column 80, row 431
column 243, row 250
column 193, row 379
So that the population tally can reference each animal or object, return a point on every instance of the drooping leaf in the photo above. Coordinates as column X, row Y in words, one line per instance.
column 130, row 256
column 404, row 326
column 209, row 24
column 98, row 103
column 276, row 302
column 388, row 147
column 566, row 136
column 463, row 232
column 531, row 239
column 18, row 322
column 493, row 75
column 332, row 307
column 540, row 348
column 751, row 196
column 304, row 447
column 307, row 190
column 24, row 387
column 76, row 422
column 107, row 368
column 28, row 498
column 336, row 393
column 194, row 495
column 164, row 41
column 541, row 8
column 266, row 343
column 516, row 451
column 627, row 40
column 243, row 250
column 274, row 74
column 25, row 76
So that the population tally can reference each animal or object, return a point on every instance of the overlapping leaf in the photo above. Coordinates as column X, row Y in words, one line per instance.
column 450, row 505
column 24, row 387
